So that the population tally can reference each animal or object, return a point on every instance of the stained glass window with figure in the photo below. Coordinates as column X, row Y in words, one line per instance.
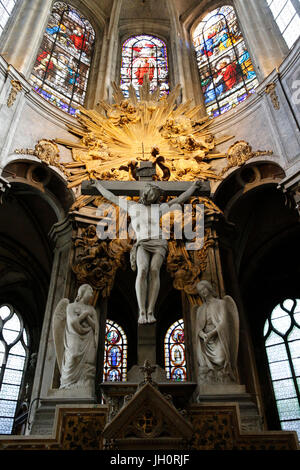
column 141, row 55
column 61, row 70
column 226, row 71
column 13, row 361
column 282, row 342
column 115, row 353
column 175, row 360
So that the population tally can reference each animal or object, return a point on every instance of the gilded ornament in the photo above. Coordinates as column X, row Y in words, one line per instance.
column 154, row 129
column 47, row 151
column 239, row 153
column 16, row 87
column 271, row 91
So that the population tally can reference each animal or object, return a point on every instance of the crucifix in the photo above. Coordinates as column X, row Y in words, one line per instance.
column 149, row 251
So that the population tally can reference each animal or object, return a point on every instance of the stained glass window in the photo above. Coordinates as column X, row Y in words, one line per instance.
column 115, row 353
column 226, row 71
column 13, row 356
column 61, row 69
column 282, row 341
column 6, row 8
column 143, row 55
column 287, row 19
column 175, row 362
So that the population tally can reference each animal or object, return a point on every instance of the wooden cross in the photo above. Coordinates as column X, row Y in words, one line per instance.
column 145, row 174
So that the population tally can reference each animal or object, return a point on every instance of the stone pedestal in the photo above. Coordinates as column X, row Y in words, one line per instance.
column 146, row 351
column 229, row 394
column 44, row 416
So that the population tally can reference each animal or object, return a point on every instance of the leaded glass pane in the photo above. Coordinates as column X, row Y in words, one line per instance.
column 296, row 364
column 280, row 370
column 9, row 336
column 276, row 353
column 9, row 392
column 285, row 374
column 18, row 349
column 8, row 408
column 273, row 338
column 287, row 20
column 291, row 33
column 4, row 312
column 144, row 55
column 175, row 361
column 15, row 362
column 226, row 70
column 6, row 425
column 295, row 348
column 291, row 426
column 61, row 70
column 266, row 327
column 288, row 409
column 12, row 376
column 294, row 334
column 12, row 330
column 284, row 389
column 115, row 354
column 282, row 324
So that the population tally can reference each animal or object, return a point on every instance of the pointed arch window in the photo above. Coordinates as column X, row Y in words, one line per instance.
column 61, row 70
column 6, row 9
column 13, row 360
column 141, row 55
column 226, row 70
column 282, row 342
column 288, row 20
column 115, row 353
column 175, row 360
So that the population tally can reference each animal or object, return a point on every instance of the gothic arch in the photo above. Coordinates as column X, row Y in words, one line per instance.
column 36, row 200
column 262, row 249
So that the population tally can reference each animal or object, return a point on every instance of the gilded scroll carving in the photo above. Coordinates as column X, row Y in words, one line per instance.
column 47, row 151
column 97, row 260
column 239, row 153
column 16, row 87
column 271, row 91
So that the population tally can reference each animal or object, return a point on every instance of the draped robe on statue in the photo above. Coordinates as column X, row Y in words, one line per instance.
column 78, row 364
column 217, row 357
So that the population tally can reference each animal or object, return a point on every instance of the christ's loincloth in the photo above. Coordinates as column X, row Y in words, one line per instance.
column 150, row 245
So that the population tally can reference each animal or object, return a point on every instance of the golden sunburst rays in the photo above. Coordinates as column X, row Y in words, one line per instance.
column 128, row 130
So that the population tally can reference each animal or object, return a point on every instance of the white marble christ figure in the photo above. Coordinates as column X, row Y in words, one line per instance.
column 150, row 248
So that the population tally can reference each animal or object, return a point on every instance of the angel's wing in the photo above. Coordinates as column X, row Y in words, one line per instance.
column 58, row 326
column 233, row 325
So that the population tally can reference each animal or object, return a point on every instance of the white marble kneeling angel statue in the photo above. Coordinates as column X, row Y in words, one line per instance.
column 217, row 337
column 76, row 331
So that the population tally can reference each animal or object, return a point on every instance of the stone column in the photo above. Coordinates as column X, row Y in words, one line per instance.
column 23, row 39
column 41, row 414
column 109, row 49
column 184, row 61
column 262, row 35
